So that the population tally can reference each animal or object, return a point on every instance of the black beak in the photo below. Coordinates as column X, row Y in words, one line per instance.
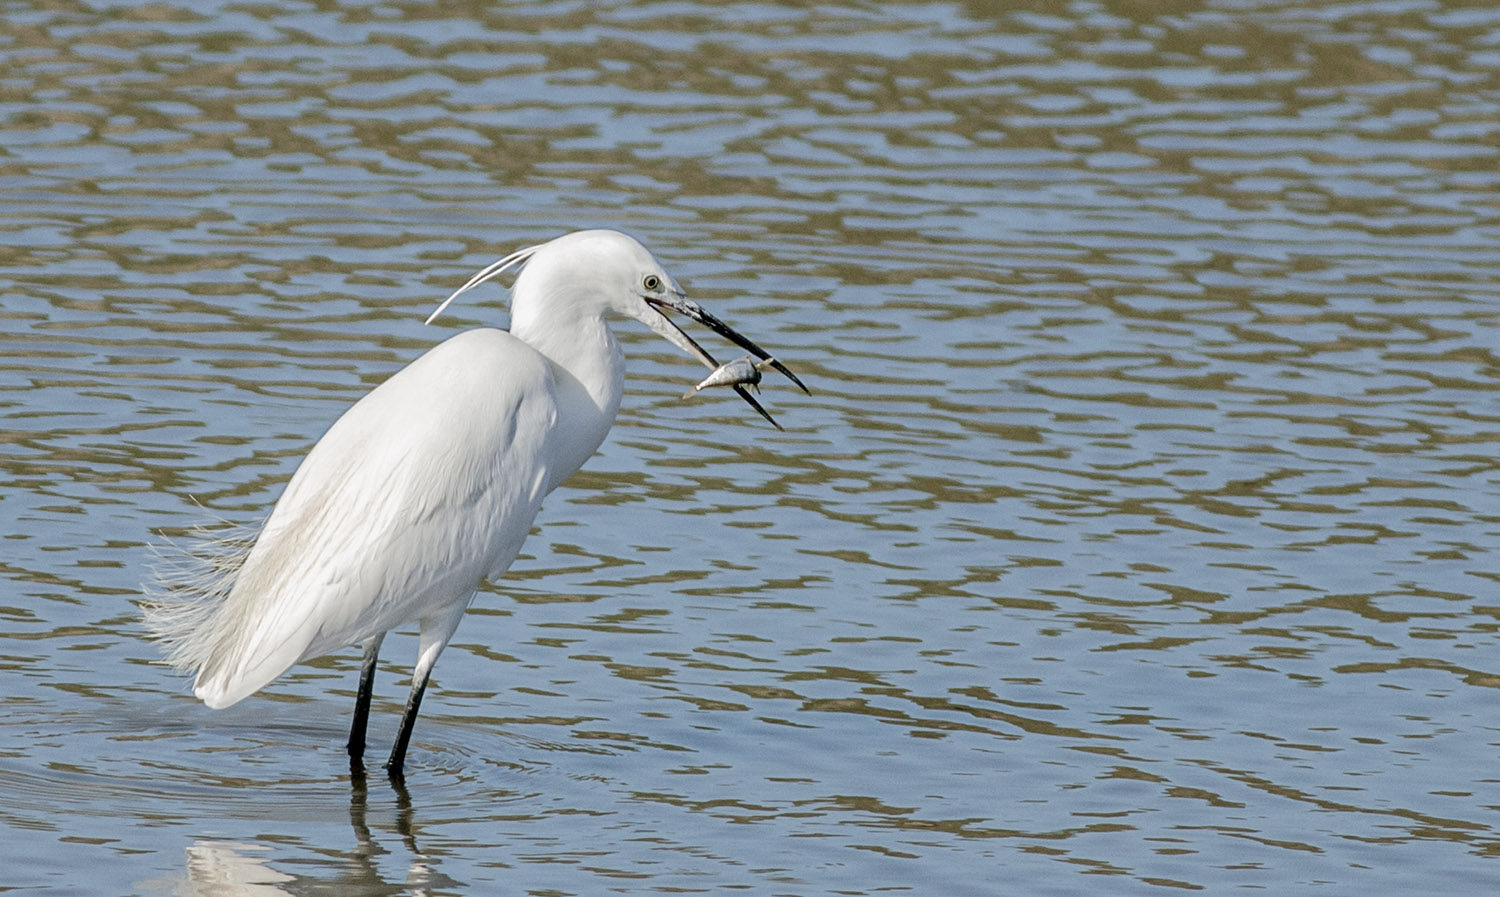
column 680, row 303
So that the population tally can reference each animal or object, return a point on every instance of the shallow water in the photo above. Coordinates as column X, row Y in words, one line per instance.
column 1140, row 532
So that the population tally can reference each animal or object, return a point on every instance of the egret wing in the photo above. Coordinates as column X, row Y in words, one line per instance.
column 417, row 492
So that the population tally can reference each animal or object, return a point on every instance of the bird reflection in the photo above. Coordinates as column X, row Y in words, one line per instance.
column 236, row 869
column 359, row 797
column 225, row 867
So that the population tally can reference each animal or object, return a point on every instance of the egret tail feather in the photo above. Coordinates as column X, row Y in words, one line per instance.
column 185, row 605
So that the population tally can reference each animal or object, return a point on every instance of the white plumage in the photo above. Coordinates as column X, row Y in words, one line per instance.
column 426, row 486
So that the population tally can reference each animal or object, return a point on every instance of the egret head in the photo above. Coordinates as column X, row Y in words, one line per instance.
column 595, row 271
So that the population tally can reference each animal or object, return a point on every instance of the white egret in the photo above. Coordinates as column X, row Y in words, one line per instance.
column 427, row 485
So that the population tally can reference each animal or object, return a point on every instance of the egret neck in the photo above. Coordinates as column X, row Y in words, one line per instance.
column 589, row 370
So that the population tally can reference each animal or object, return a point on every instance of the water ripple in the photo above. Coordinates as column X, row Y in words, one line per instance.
column 1141, row 522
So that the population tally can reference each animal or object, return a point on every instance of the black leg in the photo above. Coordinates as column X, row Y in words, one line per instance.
column 362, row 701
column 435, row 634
column 395, row 765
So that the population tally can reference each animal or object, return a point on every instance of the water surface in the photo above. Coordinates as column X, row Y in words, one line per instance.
column 1140, row 533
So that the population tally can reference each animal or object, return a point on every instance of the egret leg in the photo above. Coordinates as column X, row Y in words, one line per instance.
column 395, row 765
column 434, row 638
column 362, row 699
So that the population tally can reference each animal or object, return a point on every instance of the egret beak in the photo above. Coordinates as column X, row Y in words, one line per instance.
column 680, row 303
column 745, row 394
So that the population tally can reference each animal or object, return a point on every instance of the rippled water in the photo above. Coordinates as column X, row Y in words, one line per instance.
column 1141, row 533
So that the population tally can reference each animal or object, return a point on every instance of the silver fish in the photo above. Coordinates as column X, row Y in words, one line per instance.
column 737, row 375
column 739, row 372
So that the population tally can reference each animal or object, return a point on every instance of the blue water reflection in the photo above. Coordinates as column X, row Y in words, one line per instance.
column 1138, row 534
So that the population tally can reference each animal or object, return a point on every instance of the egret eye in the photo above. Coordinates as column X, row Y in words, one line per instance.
column 652, row 282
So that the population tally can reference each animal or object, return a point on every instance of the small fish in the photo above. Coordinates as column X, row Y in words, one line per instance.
column 732, row 373
column 737, row 374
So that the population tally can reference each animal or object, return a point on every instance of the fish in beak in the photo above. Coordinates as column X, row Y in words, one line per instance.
column 676, row 301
